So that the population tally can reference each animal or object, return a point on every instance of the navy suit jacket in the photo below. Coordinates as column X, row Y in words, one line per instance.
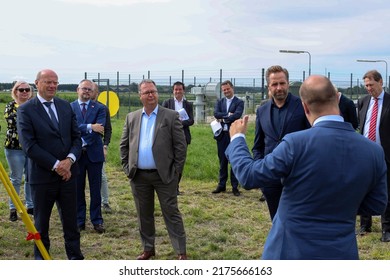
column 348, row 111
column 236, row 107
column 43, row 143
column 170, row 103
column 266, row 138
column 330, row 174
column 96, row 113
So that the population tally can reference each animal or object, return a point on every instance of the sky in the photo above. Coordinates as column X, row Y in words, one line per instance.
column 198, row 36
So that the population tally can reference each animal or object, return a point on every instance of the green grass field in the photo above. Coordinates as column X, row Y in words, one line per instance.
column 218, row 227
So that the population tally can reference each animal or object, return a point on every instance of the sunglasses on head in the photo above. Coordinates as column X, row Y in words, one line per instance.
column 24, row 89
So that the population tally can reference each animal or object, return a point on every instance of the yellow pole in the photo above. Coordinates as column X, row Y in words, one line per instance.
column 32, row 231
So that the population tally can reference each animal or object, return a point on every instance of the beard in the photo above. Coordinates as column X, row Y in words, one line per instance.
column 280, row 95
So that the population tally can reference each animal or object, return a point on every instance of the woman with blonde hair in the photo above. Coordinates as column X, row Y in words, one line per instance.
column 16, row 158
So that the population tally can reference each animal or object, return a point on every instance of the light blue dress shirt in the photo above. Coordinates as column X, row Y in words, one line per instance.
column 145, row 153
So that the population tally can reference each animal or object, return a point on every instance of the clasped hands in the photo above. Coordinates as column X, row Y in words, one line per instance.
column 63, row 169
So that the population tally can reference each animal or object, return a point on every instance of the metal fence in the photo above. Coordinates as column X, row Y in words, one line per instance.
column 250, row 85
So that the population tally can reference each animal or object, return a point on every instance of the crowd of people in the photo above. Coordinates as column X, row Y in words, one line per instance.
column 55, row 145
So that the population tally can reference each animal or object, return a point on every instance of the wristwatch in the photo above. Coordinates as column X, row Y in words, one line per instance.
column 71, row 160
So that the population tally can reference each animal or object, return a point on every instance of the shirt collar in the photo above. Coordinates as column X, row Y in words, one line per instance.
column 41, row 99
column 380, row 96
column 154, row 111
column 81, row 102
column 335, row 118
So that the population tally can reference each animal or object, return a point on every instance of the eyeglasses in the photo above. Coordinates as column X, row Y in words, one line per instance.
column 149, row 92
column 51, row 83
column 24, row 89
column 86, row 89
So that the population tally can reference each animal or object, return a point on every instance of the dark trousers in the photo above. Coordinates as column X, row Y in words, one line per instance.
column 94, row 171
column 222, row 144
column 64, row 194
column 272, row 196
column 366, row 221
column 143, row 186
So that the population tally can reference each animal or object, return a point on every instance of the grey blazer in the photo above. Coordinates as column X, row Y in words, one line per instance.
column 169, row 144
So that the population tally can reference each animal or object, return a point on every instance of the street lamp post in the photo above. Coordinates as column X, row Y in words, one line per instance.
column 379, row 60
column 290, row 51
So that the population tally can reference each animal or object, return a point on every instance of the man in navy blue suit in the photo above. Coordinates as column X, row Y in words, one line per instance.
column 226, row 111
column 281, row 114
column 91, row 119
column 49, row 135
column 325, row 181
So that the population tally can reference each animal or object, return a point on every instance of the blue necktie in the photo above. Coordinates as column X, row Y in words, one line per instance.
column 84, row 109
column 52, row 115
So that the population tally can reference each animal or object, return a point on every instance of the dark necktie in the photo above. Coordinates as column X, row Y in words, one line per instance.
column 84, row 109
column 52, row 115
column 374, row 116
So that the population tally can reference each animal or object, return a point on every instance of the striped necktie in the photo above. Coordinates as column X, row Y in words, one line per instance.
column 374, row 116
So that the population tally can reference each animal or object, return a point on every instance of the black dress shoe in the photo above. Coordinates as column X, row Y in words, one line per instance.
column 30, row 211
column 385, row 236
column 262, row 198
column 99, row 228
column 13, row 216
column 363, row 230
column 81, row 227
column 219, row 190
column 236, row 192
column 146, row 255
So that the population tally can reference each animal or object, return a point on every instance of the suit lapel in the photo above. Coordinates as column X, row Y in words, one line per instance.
column 363, row 112
column 290, row 112
column 42, row 112
column 268, row 121
column 385, row 107
column 137, row 126
column 157, row 124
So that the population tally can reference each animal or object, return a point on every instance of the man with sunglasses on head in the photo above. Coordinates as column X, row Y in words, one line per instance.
column 91, row 119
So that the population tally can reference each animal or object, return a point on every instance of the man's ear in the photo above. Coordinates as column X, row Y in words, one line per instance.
column 305, row 108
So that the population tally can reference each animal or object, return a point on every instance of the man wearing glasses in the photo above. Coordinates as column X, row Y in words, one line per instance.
column 91, row 119
column 49, row 136
column 153, row 152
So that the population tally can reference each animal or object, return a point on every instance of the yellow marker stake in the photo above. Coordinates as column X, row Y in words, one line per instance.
column 111, row 100
column 32, row 231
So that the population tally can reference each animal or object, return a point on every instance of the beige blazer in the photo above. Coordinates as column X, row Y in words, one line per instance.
column 169, row 144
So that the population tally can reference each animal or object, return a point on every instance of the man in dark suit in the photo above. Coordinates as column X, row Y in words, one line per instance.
column 106, row 141
column 50, row 137
column 91, row 119
column 347, row 109
column 281, row 114
column 186, row 115
column 380, row 128
column 226, row 111
column 321, row 195
column 153, row 153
